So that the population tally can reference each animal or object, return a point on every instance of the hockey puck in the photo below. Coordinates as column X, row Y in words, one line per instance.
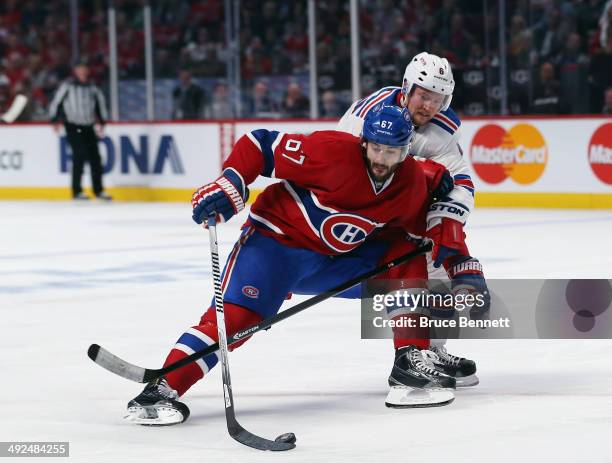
column 289, row 438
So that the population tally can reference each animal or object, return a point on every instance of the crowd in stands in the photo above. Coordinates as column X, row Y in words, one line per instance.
column 559, row 52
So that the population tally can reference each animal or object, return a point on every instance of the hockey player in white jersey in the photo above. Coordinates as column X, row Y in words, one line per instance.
column 427, row 92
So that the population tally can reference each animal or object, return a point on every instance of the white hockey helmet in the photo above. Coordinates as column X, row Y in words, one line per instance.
column 432, row 73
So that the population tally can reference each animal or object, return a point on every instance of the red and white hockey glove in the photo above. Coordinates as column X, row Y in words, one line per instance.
column 467, row 277
column 224, row 197
column 448, row 240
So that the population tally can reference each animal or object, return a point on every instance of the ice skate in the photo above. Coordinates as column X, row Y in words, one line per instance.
column 157, row 405
column 415, row 382
column 462, row 369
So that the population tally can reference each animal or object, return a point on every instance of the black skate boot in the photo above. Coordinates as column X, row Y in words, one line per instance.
column 462, row 369
column 415, row 382
column 157, row 405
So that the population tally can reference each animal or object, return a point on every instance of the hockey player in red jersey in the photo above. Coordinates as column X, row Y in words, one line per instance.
column 344, row 206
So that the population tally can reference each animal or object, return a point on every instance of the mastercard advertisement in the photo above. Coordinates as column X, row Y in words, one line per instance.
column 522, row 162
column 519, row 153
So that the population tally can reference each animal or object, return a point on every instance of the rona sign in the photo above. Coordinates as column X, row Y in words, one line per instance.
column 143, row 154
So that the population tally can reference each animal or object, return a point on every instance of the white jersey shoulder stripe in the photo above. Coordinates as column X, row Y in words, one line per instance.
column 372, row 103
column 441, row 117
column 300, row 205
column 254, row 141
column 360, row 104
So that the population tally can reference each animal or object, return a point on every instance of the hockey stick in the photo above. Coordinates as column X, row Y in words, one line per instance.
column 235, row 429
column 19, row 103
column 120, row 367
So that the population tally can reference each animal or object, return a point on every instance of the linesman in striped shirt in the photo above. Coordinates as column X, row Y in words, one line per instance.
column 80, row 105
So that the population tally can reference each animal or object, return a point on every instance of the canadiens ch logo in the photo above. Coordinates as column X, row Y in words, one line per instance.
column 250, row 291
column 344, row 232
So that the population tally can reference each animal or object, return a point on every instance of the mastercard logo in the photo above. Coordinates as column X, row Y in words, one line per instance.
column 600, row 153
column 519, row 153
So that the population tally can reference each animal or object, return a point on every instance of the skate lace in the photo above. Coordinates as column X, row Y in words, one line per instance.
column 422, row 360
column 447, row 358
column 165, row 390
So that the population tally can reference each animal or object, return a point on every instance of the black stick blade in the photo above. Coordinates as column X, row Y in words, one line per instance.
column 92, row 352
column 251, row 440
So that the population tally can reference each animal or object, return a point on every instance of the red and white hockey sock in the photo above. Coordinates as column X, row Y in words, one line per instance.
column 410, row 278
column 199, row 337
column 406, row 336
column 408, row 318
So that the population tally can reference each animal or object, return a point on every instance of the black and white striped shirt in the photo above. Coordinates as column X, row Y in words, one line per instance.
column 78, row 103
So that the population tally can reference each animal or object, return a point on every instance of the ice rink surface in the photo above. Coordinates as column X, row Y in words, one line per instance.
column 132, row 277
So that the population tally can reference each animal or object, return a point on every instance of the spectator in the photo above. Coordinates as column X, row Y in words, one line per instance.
column 294, row 104
column 588, row 15
column 130, row 49
column 600, row 74
column 520, row 47
column 444, row 14
column 473, row 98
column 573, row 67
column 547, row 97
column 326, row 66
column 198, row 49
column 187, row 98
column 220, row 106
column 261, row 104
column 342, row 76
column 457, row 38
column 58, row 66
column 256, row 61
column 521, row 57
column 552, row 36
column 165, row 64
column 607, row 109
column 330, row 106
column 14, row 67
column 477, row 59
column 202, row 56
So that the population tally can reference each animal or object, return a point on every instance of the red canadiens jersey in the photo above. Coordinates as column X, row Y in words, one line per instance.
column 326, row 201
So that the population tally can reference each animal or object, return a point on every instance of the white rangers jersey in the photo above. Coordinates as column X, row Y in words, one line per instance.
column 437, row 140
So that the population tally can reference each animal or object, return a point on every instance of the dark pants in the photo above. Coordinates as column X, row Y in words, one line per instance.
column 84, row 144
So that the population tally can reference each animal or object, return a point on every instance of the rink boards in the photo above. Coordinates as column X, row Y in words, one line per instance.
column 515, row 162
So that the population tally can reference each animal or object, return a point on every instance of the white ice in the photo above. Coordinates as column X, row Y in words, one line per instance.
column 132, row 277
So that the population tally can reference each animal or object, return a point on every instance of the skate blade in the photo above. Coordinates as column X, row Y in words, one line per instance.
column 154, row 416
column 408, row 397
column 467, row 381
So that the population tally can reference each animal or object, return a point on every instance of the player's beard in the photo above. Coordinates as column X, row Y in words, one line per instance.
column 380, row 173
